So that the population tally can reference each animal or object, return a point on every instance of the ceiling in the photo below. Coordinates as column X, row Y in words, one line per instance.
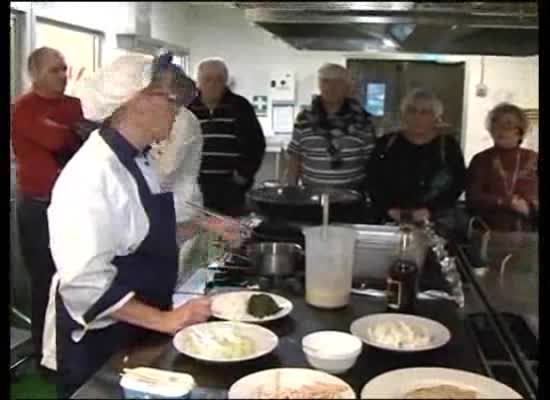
column 486, row 28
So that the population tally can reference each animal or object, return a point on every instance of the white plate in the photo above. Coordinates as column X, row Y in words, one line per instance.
column 396, row 384
column 231, row 306
column 264, row 340
column 440, row 335
column 247, row 387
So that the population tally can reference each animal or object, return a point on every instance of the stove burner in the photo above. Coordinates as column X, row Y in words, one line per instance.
column 292, row 283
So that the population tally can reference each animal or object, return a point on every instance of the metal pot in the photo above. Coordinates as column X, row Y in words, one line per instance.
column 275, row 258
column 302, row 203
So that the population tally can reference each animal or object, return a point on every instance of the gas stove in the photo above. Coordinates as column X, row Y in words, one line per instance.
column 236, row 271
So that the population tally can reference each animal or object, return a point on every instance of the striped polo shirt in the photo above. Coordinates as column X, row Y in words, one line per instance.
column 350, row 130
column 220, row 151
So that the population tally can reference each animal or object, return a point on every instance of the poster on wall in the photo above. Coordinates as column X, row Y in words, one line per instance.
column 260, row 105
column 283, row 119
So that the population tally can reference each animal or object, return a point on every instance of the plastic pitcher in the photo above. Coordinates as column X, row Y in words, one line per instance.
column 329, row 266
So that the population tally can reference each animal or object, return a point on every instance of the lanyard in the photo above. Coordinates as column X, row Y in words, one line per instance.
column 509, row 189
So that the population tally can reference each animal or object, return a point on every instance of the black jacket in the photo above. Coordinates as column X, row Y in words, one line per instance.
column 407, row 176
column 233, row 130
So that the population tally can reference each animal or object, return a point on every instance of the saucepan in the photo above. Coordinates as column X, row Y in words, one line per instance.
column 275, row 258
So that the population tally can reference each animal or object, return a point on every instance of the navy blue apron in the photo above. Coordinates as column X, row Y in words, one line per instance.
column 150, row 271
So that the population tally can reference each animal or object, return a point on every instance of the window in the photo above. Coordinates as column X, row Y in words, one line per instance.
column 375, row 98
column 80, row 48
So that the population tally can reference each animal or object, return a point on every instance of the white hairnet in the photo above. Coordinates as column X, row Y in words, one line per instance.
column 113, row 85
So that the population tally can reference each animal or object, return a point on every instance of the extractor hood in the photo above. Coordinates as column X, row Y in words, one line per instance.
column 484, row 28
column 140, row 41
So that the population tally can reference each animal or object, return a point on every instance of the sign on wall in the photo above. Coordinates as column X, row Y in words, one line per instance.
column 260, row 105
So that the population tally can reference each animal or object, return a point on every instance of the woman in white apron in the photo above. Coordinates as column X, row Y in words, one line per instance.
column 113, row 233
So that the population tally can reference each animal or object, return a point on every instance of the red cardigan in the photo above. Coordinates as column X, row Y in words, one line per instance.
column 486, row 190
column 38, row 144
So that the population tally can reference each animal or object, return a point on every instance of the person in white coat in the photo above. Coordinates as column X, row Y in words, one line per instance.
column 176, row 160
column 113, row 232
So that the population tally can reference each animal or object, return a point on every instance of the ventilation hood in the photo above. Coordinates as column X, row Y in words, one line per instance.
column 140, row 41
column 483, row 28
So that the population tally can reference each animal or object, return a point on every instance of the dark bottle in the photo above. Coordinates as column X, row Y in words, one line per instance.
column 401, row 284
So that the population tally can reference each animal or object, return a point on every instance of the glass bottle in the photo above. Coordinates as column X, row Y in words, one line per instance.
column 401, row 284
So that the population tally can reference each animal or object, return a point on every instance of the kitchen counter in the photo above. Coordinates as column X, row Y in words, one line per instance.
column 515, row 291
column 214, row 379
column 508, row 300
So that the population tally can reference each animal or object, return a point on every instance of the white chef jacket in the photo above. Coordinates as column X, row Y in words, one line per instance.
column 95, row 215
column 177, row 161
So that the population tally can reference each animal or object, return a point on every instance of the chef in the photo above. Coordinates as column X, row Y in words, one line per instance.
column 113, row 233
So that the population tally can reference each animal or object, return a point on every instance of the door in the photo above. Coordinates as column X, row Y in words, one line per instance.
column 19, row 279
column 380, row 85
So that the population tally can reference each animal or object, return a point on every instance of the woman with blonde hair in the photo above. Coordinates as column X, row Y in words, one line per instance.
column 502, row 184
column 418, row 172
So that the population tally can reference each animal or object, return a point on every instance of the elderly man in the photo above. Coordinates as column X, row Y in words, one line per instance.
column 234, row 143
column 113, row 232
column 43, row 140
column 333, row 139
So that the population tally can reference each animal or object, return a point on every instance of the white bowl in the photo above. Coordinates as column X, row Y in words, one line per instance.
column 331, row 351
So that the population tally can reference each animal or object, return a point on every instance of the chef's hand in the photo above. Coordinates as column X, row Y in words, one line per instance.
column 421, row 215
column 395, row 214
column 520, row 205
column 193, row 312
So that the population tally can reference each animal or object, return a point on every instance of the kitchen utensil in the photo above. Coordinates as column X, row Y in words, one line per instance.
column 329, row 266
column 275, row 258
column 377, row 247
column 298, row 203
column 325, row 204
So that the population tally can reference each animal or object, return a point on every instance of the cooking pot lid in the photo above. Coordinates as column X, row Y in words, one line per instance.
column 298, row 195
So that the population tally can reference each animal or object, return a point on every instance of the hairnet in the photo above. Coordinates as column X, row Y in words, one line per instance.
column 111, row 86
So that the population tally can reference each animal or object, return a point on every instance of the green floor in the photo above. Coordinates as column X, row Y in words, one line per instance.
column 31, row 385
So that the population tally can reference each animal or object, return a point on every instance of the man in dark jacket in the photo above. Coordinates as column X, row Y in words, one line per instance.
column 234, row 144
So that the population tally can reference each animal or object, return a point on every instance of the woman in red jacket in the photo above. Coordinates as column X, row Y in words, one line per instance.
column 503, row 180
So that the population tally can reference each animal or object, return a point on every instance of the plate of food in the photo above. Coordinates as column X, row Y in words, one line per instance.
column 250, row 306
column 224, row 341
column 290, row 383
column 435, row 383
column 400, row 332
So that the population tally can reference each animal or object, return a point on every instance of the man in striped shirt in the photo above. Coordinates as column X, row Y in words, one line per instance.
column 333, row 139
column 234, row 143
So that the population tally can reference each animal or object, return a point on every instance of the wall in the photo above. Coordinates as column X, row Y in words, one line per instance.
column 110, row 18
column 252, row 53
column 511, row 79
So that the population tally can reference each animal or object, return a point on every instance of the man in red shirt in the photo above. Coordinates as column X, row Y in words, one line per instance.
column 43, row 141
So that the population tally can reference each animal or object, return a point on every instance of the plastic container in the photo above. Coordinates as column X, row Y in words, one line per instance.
column 329, row 266
column 332, row 351
column 180, row 386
